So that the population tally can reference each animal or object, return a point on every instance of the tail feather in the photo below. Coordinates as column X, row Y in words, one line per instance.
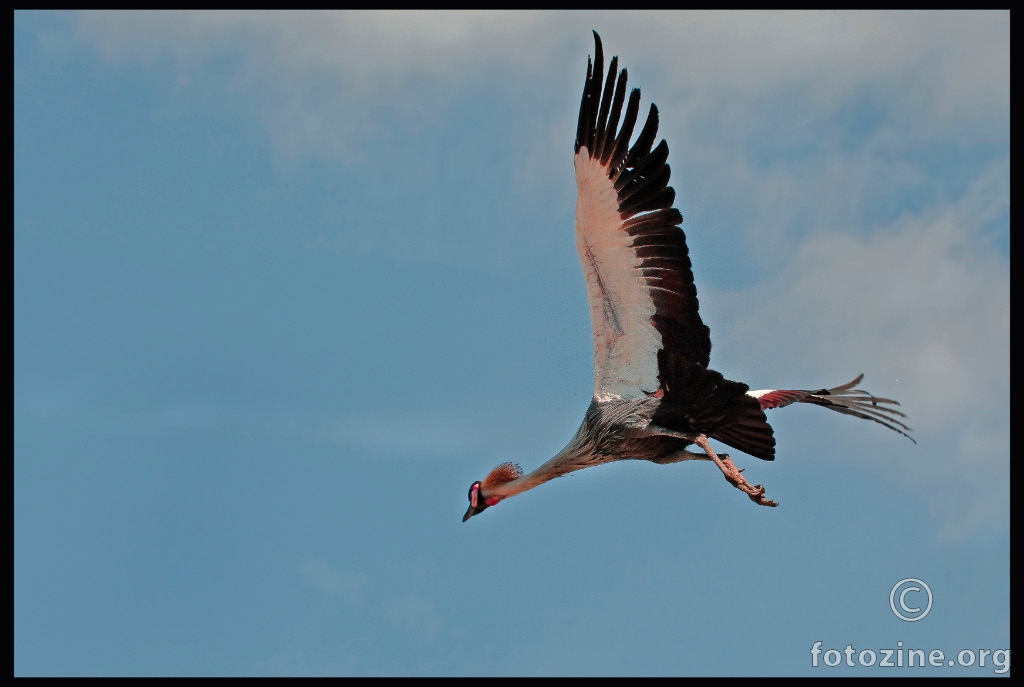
column 844, row 399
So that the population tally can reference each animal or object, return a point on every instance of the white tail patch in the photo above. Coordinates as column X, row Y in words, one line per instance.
column 506, row 472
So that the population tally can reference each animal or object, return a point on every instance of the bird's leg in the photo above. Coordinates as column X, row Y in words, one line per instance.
column 732, row 474
column 680, row 456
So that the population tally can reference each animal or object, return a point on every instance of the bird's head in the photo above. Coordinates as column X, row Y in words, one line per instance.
column 477, row 502
column 479, row 497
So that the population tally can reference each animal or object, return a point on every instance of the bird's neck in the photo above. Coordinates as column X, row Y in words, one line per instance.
column 565, row 461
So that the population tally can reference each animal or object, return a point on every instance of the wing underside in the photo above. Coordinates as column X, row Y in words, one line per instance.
column 633, row 252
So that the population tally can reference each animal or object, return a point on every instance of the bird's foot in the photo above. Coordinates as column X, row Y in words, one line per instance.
column 735, row 477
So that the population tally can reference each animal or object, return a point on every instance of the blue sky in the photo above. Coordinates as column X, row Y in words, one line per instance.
column 286, row 284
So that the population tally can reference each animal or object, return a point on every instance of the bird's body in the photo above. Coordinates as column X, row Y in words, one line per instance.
column 654, row 394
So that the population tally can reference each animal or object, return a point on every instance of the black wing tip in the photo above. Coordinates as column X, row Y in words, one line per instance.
column 598, row 51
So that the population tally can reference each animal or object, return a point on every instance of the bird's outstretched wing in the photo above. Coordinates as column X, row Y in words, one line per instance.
column 634, row 255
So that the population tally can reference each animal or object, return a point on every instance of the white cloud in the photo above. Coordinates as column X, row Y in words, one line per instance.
column 417, row 614
column 74, row 405
column 322, row 76
column 923, row 307
column 321, row 79
column 327, row 580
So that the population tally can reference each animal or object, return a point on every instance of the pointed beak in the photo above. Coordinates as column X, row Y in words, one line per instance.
column 470, row 513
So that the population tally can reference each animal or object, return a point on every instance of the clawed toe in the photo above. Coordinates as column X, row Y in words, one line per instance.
column 757, row 496
column 735, row 477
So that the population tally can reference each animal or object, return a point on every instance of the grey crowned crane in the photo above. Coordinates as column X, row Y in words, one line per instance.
column 654, row 395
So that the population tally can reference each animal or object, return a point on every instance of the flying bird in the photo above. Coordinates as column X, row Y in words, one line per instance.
column 654, row 394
